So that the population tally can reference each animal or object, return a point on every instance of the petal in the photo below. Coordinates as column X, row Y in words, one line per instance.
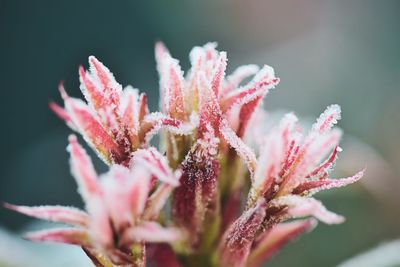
column 157, row 164
column 313, row 187
column 150, row 232
column 156, row 121
column 92, row 131
column 61, row 214
column 303, row 207
column 219, row 74
column 241, row 73
column 237, row 240
column 244, row 151
column 60, row 235
column 157, row 201
column 327, row 119
column 125, row 193
column 260, row 85
column 273, row 240
column 209, row 110
column 171, row 83
column 82, row 169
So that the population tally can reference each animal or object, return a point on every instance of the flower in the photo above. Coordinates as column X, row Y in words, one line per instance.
column 207, row 166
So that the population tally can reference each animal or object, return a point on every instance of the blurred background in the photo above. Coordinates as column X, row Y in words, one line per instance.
column 325, row 52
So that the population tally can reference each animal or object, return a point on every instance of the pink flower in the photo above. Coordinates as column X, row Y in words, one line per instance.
column 206, row 116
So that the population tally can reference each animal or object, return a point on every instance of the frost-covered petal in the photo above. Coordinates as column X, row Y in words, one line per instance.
column 157, row 164
column 263, row 81
column 274, row 239
column 241, row 73
column 171, row 83
column 303, row 207
column 218, row 74
column 156, row 121
column 315, row 186
column 327, row 119
column 151, row 232
column 244, row 151
column 60, row 235
column 61, row 214
column 92, row 131
column 83, row 171
column 237, row 240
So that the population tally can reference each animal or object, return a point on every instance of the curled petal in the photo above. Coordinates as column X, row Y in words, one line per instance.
column 259, row 86
column 157, row 201
column 151, row 232
column 303, row 207
column 237, row 240
column 61, row 214
column 157, row 121
column 238, row 76
column 61, row 235
column 274, row 239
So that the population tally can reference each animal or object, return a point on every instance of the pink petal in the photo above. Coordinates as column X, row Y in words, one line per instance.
column 125, row 193
column 241, row 148
column 150, row 232
column 260, row 85
column 171, row 82
column 156, row 121
column 60, row 112
column 157, row 201
column 61, row 235
column 303, row 207
column 93, row 131
column 129, row 110
column 209, row 110
column 86, row 177
column 327, row 119
column 219, row 73
column 273, row 240
column 157, row 164
column 241, row 73
column 237, row 240
column 313, row 187
column 61, row 214
column 82, row 169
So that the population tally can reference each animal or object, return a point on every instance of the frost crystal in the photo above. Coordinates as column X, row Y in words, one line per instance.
column 201, row 168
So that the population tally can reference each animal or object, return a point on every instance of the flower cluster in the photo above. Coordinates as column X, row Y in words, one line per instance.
column 184, row 205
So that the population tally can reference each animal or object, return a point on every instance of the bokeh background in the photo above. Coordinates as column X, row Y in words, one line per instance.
column 345, row 52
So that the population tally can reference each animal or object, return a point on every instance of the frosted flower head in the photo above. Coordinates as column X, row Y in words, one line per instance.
column 201, row 168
